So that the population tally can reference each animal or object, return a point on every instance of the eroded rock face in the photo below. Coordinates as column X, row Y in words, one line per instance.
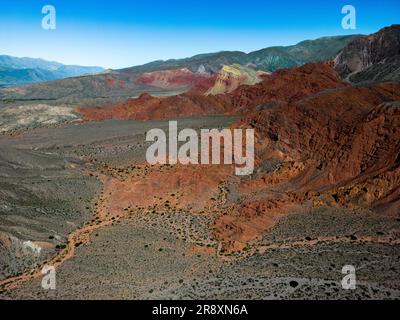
column 231, row 77
column 319, row 141
column 371, row 58
column 340, row 147
column 147, row 107
column 292, row 127
column 172, row 78
column 282, row 86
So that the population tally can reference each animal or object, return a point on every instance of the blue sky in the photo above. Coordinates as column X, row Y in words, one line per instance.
column 116, row 34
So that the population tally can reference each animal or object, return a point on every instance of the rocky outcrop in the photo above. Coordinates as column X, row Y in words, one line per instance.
column 319, row 141
column 147, row 107
column 339, row 147
column 273, row 89
column 385, row 70
column 371, row 58
column 172, row 78
column 226, row 80
column 343, row 136
column 284, row 86
column 231, row 77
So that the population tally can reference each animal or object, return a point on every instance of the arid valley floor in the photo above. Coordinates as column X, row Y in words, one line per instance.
column 151, row 248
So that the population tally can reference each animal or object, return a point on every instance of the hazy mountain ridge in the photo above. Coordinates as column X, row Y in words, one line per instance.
column 20, row 71
column 266, row 59
column 122, row 83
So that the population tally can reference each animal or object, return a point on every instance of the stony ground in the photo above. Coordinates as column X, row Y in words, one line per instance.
column 130, row 243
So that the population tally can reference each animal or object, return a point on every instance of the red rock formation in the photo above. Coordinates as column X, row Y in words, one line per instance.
column 371, row 58
column 340, row 147
column 346, row 131
column 147, row 107
column 233, row 76
column 172, row 78
column 336, row 144
column 284, row 85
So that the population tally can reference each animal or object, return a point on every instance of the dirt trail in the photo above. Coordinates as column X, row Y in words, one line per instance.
column 121, row 190
column 75, row 239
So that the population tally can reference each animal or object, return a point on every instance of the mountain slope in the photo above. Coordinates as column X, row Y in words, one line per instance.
column 231, row 77
column 331, row 143
column 346, row 156
column 371, row 58
column 28, row 63
column 273, row 89
column 122, row 84
column 24, row 76
column 320, row 49
column 267, row 59
column 21, row 71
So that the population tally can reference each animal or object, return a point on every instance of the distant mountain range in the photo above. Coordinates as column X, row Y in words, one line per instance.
column 21, row 71
column 122, row 84
column 269, row 59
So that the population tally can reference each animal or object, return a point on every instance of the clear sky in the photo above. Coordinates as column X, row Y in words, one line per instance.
column 116, row 33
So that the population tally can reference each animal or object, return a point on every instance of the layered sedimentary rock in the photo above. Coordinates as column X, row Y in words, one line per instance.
column 319, row 141
column 231, row 77
column 147, row 107
column 371, row 58
column 282, row 86
column 172, row 78
column 339, row 147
